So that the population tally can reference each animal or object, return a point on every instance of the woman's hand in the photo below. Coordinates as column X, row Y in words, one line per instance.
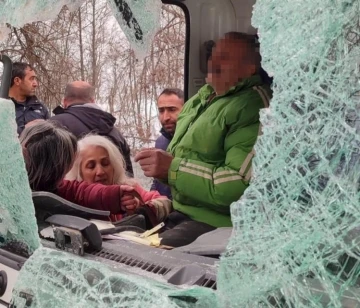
column 129, row 203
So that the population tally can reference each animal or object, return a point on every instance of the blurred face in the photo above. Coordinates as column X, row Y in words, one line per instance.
column 230, row 63
column 96, row 167
column 27, row 85
column 169, row 107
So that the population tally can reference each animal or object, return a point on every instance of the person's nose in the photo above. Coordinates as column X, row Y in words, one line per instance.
column 167, row 115
column 35, row 83
column 99, row 171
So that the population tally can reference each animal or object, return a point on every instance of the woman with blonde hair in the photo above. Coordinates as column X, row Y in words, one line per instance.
column 99, row 161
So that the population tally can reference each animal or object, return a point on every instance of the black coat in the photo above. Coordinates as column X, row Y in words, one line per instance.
column 31, row 110
column 83, row 119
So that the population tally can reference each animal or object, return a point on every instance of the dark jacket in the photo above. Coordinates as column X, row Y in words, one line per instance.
column 89, row 118
column 162, row 143
column 31, row 110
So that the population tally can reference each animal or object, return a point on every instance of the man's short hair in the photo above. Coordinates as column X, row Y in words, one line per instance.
column 173, row 91
column 79, row 93
column 251, row 41
column 18, row 70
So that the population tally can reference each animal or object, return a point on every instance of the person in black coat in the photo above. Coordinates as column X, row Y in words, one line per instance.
column 81, row 116
column 22, row 92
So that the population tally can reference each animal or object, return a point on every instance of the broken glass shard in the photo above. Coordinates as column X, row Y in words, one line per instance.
column 18, row 228
column 296, row 229
column 20, row 12
column 140, row 20
column 58, row 279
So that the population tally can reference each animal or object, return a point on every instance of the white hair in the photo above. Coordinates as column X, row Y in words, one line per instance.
column 116, row 159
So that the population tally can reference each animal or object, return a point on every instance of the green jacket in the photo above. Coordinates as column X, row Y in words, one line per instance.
column 213, row 148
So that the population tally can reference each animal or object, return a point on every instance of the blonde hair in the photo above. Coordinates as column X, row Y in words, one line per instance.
column 116, row 159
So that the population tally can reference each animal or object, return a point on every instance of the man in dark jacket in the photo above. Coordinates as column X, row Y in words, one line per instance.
column 81, row 116
column 170, row 103
column 22, row 92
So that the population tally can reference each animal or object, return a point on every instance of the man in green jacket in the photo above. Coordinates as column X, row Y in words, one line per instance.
column 208, row 162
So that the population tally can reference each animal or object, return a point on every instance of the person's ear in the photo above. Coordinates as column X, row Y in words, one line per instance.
column 17, row 80
column 252, row 69
column 64, row 103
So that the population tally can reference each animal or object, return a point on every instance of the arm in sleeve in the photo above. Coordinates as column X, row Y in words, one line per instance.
column 147, row 196
column 160, row 205
column 94, row 196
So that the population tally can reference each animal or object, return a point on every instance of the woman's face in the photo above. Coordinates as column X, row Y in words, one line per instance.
column 95, row 166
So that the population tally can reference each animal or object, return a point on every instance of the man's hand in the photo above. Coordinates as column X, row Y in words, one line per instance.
column 154, row 162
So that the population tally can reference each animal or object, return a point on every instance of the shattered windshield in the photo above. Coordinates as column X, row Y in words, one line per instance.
column 139, row 20
column 65, row 280
column 296, row 229
column 296, row 233
column 18, row 228
column 30, row 11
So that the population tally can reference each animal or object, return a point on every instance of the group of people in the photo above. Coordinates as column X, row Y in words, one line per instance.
column 201, row 163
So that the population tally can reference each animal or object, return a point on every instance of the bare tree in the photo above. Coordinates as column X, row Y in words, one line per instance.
column 89, row 45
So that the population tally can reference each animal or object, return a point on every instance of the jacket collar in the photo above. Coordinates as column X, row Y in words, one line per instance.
column 166, row 134
column 59, row 109
column 30, row 100
column 208, row 90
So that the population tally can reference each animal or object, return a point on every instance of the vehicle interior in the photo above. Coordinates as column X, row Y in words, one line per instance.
column 206, row 21
column 70, row 226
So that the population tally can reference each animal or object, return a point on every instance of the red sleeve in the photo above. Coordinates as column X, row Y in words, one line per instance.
column 146, row 195
column 95, row 196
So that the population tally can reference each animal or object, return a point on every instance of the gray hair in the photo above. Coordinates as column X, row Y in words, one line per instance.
column 116, row 159
column 49, row 152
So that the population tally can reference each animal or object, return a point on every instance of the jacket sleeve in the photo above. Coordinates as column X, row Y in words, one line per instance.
column 158, row 143
column 46, row 112
column 214, row 185
column 160, row 205
column 153, row 184
column 147, row 196
column 94, row 196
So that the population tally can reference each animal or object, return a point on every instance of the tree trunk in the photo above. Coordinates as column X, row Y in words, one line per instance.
column 81, row 46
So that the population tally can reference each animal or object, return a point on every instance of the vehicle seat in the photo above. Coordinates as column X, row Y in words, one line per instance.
column 47, row 204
